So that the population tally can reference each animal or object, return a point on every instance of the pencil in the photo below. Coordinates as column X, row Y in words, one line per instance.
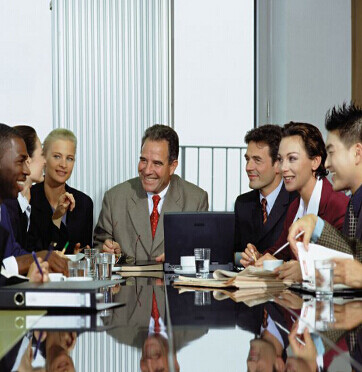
column 65, row 247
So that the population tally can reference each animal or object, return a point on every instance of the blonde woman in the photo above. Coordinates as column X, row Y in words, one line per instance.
column 59, row 212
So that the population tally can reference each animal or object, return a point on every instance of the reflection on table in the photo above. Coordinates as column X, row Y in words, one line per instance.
column 165, row 328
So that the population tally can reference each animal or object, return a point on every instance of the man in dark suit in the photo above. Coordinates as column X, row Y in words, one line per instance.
column 131, row 219
column 13, row 172
column 260, row 214
column 344, row 161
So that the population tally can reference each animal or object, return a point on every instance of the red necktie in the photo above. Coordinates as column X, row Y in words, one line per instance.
column 155, row 313
column 154, row 215
column 263, row 207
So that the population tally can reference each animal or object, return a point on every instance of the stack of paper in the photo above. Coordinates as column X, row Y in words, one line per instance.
column 251, row 277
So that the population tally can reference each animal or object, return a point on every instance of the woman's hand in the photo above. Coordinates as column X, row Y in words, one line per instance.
column 66, row 202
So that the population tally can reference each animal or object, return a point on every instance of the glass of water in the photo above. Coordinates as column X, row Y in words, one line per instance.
column 90, row 257
column 104, row 266
column 324, row 272
column 202, row 262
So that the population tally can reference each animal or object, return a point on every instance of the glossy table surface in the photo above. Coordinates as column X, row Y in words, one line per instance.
column 198, row 331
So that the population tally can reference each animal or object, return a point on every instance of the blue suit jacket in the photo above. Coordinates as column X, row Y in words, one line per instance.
column 12, row 248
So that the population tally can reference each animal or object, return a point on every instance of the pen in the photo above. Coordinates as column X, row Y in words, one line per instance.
column 287, row 243
column 37, row 263
column 50, row 250
column 287, row 332
column 38, row 344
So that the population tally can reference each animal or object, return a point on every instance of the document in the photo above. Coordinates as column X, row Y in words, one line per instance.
column 315, row 252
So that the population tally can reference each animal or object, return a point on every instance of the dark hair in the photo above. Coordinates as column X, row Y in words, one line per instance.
column 313, row 142
column 6, row 134
column 29, row 136
column 159, row 132
column 270, row 134
column 347, row 120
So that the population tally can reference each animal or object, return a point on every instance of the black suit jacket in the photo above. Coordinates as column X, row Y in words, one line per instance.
column 19, row 221
column 249, row 226
column 79, row 222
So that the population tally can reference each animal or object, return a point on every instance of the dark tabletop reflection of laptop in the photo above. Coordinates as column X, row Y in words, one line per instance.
column 185, row 231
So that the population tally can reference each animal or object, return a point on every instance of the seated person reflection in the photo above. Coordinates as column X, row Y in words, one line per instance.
column 260, row 214
column 155, row 355
column 131, row 219
column 344, row 161
column 60, row 213
column 302, row 156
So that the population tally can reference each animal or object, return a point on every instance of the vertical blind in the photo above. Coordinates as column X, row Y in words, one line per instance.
column 111, row 80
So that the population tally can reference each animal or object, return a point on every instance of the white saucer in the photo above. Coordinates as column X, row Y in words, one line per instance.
column 75, row 257
column 180, row 271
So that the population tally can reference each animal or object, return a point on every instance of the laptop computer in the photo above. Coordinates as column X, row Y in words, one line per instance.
column 185, row 231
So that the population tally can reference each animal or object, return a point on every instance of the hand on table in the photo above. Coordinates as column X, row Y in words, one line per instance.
column 307, row 352
column 347, row 316
column 290, row 271
column 78, row 249
column 160, row 258
column 306, row 224
column 110, row 246
column 348, row 272
column 34, row 274
column 289, row 299
column 250, row 255
column 57, row 262
column 266, row 256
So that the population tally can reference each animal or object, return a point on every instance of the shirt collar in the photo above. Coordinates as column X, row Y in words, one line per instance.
column 272, row 197
column 161, row 194
column 23, row 202
column 356, row 201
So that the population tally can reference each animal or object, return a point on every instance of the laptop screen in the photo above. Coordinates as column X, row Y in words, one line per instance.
column 185, row 231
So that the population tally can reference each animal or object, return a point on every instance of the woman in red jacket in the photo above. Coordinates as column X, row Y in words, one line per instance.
column 302, row 155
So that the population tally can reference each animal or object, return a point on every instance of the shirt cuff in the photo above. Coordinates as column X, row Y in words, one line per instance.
column 317, row 232
column 11, row 266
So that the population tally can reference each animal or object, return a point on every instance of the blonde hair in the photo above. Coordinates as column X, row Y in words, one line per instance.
column 59, row 134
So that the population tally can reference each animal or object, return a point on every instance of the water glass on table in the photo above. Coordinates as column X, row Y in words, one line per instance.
column 104, row 266
column 202, row 262
column 324, row 273
column 90, row 257
column 77, row 268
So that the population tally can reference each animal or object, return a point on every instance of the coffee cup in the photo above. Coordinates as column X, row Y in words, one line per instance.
column 270, row 265
column 187, row 262
column 56, row 277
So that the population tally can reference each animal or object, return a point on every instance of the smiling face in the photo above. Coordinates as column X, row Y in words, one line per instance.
column 263, row 174
column 60, row 159
column 13, row 169
column 296, row 167
column 36, row 163
column 343, row 163
column 154, row 168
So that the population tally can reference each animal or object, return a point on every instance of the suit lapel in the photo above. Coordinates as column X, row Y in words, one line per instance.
column 171, row 204
column 256, row 216
column 277, row 211
column 139, row 215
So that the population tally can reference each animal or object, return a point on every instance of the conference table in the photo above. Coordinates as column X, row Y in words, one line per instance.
column 158, row 327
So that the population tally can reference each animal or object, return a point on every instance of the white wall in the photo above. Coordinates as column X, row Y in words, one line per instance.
column 213, row 71
column 305, row 59
column 26, row 64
